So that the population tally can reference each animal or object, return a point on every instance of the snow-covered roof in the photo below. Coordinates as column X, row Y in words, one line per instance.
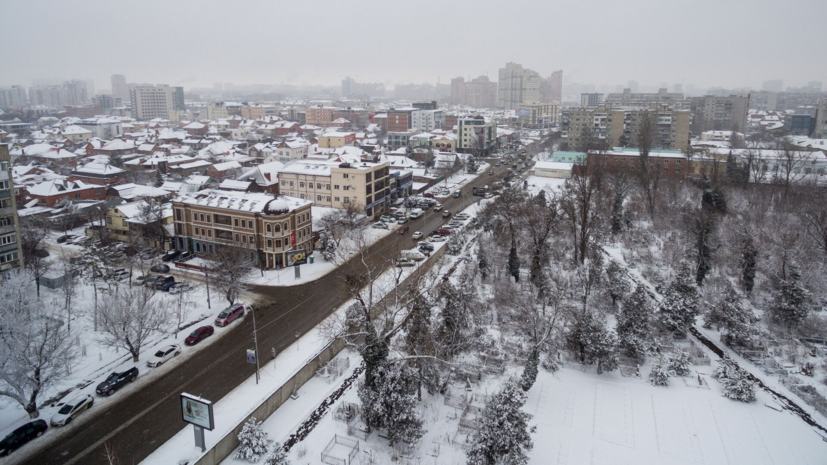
column 98, row 169
column 233, row 185
column 244, row 201
column 133, row 191
column 194, row 164
column 58, row 186
column 553, row 165
column 75, row 131
column 230, row 165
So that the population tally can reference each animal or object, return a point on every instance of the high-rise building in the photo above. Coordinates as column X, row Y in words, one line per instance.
column 645, row 99
column 773, row 85
column 586, row 128
column 478, row 93
column 11, row 253
column 711, row 113
column 821, row 120
column 50, row 96
column 591, row 100
column 517, row 86
column 556, row 86
column 119, row 87
column 457, row 90
column 157, row 101
column 107, row 102
column 76, row 92
column 13, row 97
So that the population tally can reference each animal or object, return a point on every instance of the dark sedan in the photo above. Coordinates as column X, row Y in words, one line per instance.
column 19, row 437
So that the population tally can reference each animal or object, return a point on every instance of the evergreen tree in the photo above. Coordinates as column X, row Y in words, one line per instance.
column 713, row 199
column 617, row 213
column 530, row 370
column 419, row 342
column 634, row 323
column 254, row 443
column 391, row 403
column 617, row 286
column 159, row 179
column 735, row 381
column 791, row 306
column 116, row 160
column 514, row 261
column 278, row 456
column 702, row 229
column 503, row 436
column 374, row 352
column 679, row 363
column 748, row 263
column 593, row 343
column 733, row 318
column 659, row 375
column 483, row 262
column 471, row 164
column 453, row 319
column 681, row 301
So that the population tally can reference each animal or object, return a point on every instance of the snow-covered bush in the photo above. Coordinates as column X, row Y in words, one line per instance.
column 391, row 403
column 503, row 435
column 593, row 343
column 530, row 370
column 634, row 329
column 735, row 381
column 679, row 363
column 659, row 376
column 254, row 443
column 681, row 300
column 278, row 456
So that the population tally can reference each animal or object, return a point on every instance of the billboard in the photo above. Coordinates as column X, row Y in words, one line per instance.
column 296, row 257
column 479, row 192
column 523, row 112
column 197, row 411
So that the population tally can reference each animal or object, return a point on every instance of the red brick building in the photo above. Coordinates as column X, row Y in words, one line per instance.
column 56, row 192
column 400, row 120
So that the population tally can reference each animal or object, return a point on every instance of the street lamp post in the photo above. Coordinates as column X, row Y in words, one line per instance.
column 255, row 340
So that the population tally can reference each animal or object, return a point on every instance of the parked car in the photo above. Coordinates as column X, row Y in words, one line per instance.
column 426, row 245
column 160, row 268
column 437, row 207
column 491, row 173
column 179, row 287
column 119, row 275
column 417, row 235
column 444, row 231
column 461, row 216
column 457, row 193
column 146, row 280
column 166, row 287
column 230, row 314
column 518, row 172
column 428, row 195
column 80, row 240
column 72, row 409
column 437, row 238
column 22, row 435
column 185, row 256
column 161, row 281
column 403, row 261
column 401, row 219
column 116, row 381
column 403, row 230
column 379, row 225
column 171, row 255
column 65, row 238
column 198, row 335
column 446, row 213
column 413, row 254
column 387, row 219
column 163, row 354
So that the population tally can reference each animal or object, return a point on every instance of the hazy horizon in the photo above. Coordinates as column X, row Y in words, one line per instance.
column 196, row 44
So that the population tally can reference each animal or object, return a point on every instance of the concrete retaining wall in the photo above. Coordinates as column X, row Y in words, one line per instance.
column 227, row 444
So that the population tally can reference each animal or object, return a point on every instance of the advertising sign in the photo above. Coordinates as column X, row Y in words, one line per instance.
column 197, row 411
column 293, row 238
column 523, row 112
column 251, row 356
column 479, row 192
column 296, row 257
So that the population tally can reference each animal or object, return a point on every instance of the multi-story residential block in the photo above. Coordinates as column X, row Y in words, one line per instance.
column 628, row 98
column 103, row 128
column 552, row 88
column 267, row 226
column 13, row 97
column 358, row 117
column 49, row 96
column 476, row 134
column 539, row 115
column 820, row 131
column 119, row 87
column 427, row 120
column 584, row 128
column 335, row 184
column 400, row 139
column 334, row 140
column 592, row 99
column 587, row 128
column 252, row 112
column 11, row 253
column 216, row 111
column 106, row 102
column 517, row 86
column 400, row 119
column 710, row 113
column 319, row 115
column 150, row 101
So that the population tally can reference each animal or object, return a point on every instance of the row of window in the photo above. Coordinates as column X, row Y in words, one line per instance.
column 8, row 257
column 8, row 239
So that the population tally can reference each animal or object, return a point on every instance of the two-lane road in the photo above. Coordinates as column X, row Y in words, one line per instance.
column 138, row 422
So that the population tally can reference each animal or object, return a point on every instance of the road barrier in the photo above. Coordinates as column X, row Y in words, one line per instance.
column 228, row 443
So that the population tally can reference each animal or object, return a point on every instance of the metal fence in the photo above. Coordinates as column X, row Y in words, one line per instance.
column 350, row 447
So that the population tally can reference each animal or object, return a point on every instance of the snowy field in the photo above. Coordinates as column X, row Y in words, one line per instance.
column 540, row 183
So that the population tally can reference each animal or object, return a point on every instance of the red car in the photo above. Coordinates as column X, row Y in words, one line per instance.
column 403, row 230
column 196, row 336
column 444, row 231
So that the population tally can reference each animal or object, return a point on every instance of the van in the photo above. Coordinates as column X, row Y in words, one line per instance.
column 416, row 213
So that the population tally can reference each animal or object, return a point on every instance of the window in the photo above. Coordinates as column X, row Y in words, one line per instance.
column 347, row 200
column 235, row 222
column 269, row 242
column 269, row 228
column 209, row 232
column 327, row 186
column 318, row 185
column 276, row 228
column 8, row 239
column 347, row 188
column 244, row 239
column 301, row 184
column 208, row 219
column 335, row 199
column 301, row 196
column 236, row 237
column 318, row 198
column 278, row 242
column 196, row 231
column 336, row 187
column 328, row 198
column 252, row 240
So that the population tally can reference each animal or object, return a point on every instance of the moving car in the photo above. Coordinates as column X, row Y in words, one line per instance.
column 457, row 193
column 115, row 381
column 196, row 336
column 416, row 213
column 72, row 409
column 162, row 281
column 491, row 173
column 22, row 435
column 160, row 268
column 446, row 213
column 230, row 314
column 403, row 230
column 417, row 235
column 437, row 207
column 163, row 354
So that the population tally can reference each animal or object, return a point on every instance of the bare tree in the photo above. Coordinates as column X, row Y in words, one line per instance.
column 36, row 353
column 542, row 216
column 582, row 203
column 68, row 287
column 183, row 304
column 33, row 230
column 129, row 317
column 649, row 171
column 340, row 223
column 790, row 164
column 151, row 214
column 813, row 215
column 231, row 266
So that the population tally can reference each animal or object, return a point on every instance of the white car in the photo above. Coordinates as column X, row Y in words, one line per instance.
column 163, row 354
column 379, row 225
column 402, row 261
column 437, row 239
column 72, row 409
column 417, row 235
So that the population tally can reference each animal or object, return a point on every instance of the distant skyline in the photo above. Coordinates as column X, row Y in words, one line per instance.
column 707, row 43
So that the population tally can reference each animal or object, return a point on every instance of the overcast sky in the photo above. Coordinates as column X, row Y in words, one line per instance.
column 728, row 43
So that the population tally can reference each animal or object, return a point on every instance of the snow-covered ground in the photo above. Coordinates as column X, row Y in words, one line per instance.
column 456, row 181
column 540, row 183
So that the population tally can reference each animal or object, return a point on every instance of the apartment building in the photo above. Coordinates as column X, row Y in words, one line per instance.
column 710, row 113
column 627, row 98
column 334, row 184
column 13, row 97
column 587, row 128
column 476, row 134
column 119, row 87
column 128, row 223
column 334, row 140
column 319, row 115
column 11, row 253
column 216, row 111
column 268, row 226
column 517, row 86
column 427, row 120
column 539, row 115
column 150, row 101
column 400, row 119
column 821, row 120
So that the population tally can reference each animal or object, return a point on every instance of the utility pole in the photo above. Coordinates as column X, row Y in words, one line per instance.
column 255, row 341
